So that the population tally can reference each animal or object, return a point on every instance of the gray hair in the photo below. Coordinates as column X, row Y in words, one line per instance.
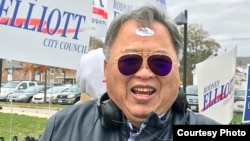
column 144, row 15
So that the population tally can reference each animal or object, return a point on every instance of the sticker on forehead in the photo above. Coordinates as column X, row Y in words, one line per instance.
column 144, row 31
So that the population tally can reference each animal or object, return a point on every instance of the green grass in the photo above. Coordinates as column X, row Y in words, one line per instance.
column 21, row 126
column 237, row 118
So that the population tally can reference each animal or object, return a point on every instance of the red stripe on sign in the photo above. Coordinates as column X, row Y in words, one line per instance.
column 100, row 12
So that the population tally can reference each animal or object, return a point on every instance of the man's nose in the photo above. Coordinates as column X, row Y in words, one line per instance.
column 144, row 71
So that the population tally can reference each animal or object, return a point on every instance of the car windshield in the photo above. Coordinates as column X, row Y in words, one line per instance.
column 192, row 90
column 32, row 89
column 11, row 84
column 240, row 92
column 55, row 90
column 74, row 88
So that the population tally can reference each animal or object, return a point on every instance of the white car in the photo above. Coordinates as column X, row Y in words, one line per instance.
column 14, row 86
column 192, row 97
column 239, row 106
column 50, row 95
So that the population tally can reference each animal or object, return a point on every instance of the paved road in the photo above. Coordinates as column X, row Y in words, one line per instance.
column 43, row 113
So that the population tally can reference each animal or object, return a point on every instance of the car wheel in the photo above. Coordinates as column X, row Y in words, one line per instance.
column 29, row 100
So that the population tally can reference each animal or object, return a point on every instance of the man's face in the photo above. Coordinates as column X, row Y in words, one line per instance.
column 140, row 93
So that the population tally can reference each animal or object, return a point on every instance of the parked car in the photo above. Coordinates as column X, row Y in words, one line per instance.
column 69, row 96
column 239, row 106
column 51, row 94
column 239, row 94
column 192, row 97
column 27, row 94
column 13, row 87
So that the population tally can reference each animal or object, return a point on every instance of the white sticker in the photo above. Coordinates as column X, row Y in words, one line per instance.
column 144, row 31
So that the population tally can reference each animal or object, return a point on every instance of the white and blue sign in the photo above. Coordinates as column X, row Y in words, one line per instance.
column 246, row 112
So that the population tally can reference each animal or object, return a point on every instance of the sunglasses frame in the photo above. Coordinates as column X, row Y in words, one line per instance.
column 148, row 54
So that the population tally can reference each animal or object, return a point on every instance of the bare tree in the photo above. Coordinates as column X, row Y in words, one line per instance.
column 199, row 47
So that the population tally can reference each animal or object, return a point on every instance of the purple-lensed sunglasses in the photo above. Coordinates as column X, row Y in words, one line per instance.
column 158, row 63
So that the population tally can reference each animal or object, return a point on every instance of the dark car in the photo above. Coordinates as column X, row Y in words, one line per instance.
column 69, row 96
column 239, row 94
column 27, row 94
column 192, row 97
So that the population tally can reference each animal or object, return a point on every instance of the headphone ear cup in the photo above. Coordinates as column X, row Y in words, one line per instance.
column 110, row 115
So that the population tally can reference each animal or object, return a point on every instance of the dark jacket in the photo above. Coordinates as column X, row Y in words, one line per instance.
column 82, row 122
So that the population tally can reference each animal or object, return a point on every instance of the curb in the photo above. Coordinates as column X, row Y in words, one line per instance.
column 41, row 113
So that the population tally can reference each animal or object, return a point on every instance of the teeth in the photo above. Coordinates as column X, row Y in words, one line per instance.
column 144, row 90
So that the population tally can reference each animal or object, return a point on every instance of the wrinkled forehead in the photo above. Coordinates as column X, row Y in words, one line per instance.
column 155, row 29
column 134, row 37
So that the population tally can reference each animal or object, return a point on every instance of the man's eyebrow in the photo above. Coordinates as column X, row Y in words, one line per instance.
column 129, row 50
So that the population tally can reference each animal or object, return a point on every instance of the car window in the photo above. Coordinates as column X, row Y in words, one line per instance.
column 192, row 89
column 22, row 86
column 240, row 92
column 55, row 89
column 32, row 89
column 74, row 88
column 32, row 84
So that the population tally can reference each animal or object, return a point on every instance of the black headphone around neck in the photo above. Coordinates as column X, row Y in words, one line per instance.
column 111, row 115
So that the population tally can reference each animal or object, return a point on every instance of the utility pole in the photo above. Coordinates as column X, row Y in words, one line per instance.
column 182, row 19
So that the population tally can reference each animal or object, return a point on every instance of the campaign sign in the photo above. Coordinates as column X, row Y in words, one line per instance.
column 45, row 32
column 246, row 112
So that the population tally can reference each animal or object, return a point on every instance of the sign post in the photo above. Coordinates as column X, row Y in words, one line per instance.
column 246, row 112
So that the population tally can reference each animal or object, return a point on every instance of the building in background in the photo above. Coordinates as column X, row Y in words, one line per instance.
column 14, row 70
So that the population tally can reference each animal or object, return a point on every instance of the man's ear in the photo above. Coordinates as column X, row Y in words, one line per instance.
column 105, row 70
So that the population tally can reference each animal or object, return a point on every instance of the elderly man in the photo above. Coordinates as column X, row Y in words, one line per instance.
column 143, row 99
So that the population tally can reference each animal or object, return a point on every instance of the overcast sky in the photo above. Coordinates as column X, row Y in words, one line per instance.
column 227, row 21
